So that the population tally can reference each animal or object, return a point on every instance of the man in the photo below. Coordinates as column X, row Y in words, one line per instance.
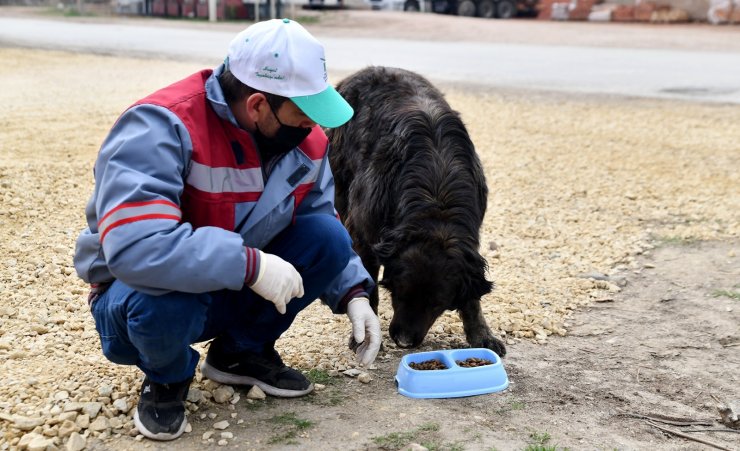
column 213, row 218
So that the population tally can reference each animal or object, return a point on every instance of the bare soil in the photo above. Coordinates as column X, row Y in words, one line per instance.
column 613, row 234
column 667, row 345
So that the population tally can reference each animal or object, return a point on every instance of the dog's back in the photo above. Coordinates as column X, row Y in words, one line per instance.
column 404, row 145
column 412, row 193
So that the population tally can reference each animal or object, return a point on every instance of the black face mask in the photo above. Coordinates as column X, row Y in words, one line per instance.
column 286, row 138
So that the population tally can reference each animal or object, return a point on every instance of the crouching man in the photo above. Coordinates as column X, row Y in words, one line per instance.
column 213, row 218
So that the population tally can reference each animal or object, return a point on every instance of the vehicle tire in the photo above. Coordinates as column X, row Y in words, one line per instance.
column 441, row 7
column 411, row 5
column 505, row 9
column 486, row 9
column 466, row 8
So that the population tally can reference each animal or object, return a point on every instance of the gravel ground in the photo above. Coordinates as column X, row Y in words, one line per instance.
column 577, row 186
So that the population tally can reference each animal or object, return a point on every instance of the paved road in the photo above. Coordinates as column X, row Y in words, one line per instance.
column 690, row 75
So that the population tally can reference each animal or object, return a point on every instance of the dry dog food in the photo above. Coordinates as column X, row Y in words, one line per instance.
column 473, row 362
column 433, row 364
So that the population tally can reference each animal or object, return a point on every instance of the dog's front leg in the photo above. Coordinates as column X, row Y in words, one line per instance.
column 477, row 332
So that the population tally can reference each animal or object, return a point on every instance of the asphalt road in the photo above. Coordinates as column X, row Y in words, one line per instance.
column 657, row 73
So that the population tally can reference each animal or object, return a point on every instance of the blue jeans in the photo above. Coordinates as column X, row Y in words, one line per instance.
column 155, row 332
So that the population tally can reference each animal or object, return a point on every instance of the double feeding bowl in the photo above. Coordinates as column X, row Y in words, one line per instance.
column 457, row 379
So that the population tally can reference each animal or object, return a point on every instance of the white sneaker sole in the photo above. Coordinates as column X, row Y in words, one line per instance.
column 160, row 436
column 234, row 379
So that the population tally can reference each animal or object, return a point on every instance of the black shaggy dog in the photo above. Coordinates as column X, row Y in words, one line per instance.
column 411, row 191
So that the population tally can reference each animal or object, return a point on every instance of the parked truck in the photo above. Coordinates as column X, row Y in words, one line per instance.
column 500, row 9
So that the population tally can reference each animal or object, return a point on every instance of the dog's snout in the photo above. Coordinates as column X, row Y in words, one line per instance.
column 403, row 342
column 404, row 337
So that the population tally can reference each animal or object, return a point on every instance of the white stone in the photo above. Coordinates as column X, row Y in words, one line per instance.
column 256, row 393
column 83, row 421
column 223, row 393
column 66, row 428
column 212, row 415
column 194, row 395
column 26, row 423
column 76, row 442
column 227, row 435
column 352, row 372
column 319, row 387
column 115, row 423
column 188, row 428
column 121, row 405
column 100, row 424
column 71, row 416
column 39, row 444
column 365, row 378
column 61, row 395
column 207, row 435
column 105, row 390
column 223, row 442
column 92, row 409
column 26, row 439
column 73, row 406
column 221, row 425
column 415, row 447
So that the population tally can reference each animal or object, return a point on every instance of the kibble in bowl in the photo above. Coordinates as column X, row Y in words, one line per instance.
column 432, row 364
column 472, row 362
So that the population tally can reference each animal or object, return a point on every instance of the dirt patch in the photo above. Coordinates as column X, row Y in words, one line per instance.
column 582, row 188
column 667, row 345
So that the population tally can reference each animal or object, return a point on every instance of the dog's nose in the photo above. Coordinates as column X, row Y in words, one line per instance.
column 404, row 344
column 403, row 341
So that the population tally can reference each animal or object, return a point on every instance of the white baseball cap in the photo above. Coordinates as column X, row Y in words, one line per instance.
column 280, row 57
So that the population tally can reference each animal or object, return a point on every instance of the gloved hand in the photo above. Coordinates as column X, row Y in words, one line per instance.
column 278, row 281
column 365, row 330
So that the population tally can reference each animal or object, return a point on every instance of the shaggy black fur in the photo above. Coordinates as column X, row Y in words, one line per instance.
column 412, row 193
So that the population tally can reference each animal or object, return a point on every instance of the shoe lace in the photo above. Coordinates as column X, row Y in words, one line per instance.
column 167, row 394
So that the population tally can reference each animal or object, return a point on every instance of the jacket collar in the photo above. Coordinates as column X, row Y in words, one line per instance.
column 215, row 96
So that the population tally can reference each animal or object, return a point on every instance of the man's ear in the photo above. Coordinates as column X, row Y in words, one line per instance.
column 256, row 104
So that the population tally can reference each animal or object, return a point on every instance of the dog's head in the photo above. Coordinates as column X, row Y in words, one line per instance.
column 425, row 277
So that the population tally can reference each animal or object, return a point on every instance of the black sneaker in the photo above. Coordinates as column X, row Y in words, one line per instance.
column 265, row 370
column 160, row 414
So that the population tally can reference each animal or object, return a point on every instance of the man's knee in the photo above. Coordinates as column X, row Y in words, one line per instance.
column 330, row 237
column 168, row 319
column 119, row 350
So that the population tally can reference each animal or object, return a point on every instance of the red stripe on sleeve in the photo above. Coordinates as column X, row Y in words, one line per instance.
column 135, row 219
column 138, row 204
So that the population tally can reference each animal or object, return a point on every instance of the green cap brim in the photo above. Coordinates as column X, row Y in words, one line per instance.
column 327, row 108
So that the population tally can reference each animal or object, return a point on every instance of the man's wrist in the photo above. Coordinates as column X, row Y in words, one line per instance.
column 253, row 266
column 358, row 291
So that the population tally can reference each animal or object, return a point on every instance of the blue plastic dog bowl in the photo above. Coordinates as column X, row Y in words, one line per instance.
column 455, row 381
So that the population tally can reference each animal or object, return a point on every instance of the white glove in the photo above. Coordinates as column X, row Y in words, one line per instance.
column 278, row 281
column 365, row 330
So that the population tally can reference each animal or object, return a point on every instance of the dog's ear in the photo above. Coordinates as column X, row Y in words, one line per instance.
column 388, row 246
column 475, row 286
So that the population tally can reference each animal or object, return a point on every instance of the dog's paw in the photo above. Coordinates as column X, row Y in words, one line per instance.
column 490, row 342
